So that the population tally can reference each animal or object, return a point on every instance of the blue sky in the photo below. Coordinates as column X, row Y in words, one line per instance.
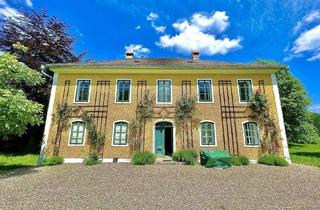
column 224, row 30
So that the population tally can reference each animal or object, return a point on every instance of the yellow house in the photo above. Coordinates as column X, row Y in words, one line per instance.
column 110, row 91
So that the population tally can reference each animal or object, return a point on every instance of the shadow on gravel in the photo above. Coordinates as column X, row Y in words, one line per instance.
column 16, row 170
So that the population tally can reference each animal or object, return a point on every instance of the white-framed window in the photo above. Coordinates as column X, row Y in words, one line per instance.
column 164, row 91
column 82, row 94
column 77, row 133
column 245, row 90
column 207, row 133
column 251, row 134
column 205, row 92
column 120, row 133
column 123, row 91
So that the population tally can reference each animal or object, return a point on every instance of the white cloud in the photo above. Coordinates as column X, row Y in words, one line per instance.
column 308, row 40
column 315, row 108
column 152, row 16
column 9, row 12
column 29, row 3
column 138, row 49
column 313, row 16
column 137, row 27
column 217, row 21
column 201, row 33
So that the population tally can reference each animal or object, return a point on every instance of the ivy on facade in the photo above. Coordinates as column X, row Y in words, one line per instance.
column 185, row 119
column 261, row 111
column 144, row 111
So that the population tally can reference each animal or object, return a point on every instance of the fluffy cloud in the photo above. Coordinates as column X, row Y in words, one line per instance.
column 137, row 27
column 313, row 16
column 308, row 41
column 315, row 108
column 152, row 17
column 138, row 49
column 200, row 32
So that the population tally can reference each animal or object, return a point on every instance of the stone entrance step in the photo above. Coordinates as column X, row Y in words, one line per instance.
column 165, row 160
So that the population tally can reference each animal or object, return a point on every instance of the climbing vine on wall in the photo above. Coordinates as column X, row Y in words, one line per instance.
column 261, row 111
column 185, row 119
column 64, row 112
column 144, row 111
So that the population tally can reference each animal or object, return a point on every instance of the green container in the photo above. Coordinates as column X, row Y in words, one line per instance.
column 215, row 159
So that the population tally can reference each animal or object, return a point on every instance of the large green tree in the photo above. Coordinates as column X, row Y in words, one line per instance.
column 295, row 103
column 16, row 111
column 48, row 42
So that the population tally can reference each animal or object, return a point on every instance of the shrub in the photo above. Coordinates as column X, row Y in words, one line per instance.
column 55, row 160
column 244, row 160
column 92, row 159
column 266, row 160
column 272, row 160
column 235, row 161
column 143, row 158
column 189, row 157
column 279, row 161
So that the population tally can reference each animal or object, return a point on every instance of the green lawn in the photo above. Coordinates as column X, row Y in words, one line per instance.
column 12, row 161
column 308, row 154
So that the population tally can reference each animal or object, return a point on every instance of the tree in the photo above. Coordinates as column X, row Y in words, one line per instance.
column 47, row 42
column 16, row 111
column 295, row 103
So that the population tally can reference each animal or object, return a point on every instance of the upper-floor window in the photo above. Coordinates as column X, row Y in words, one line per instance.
column 82, row 91
column 245, row 90
column 77, row 133
column 251, row 134
column 207, row 134
column 164, row 91
column 205, row 91
column 123, row 90
column 120, row 134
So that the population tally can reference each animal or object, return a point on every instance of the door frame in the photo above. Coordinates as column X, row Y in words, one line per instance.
column 173, row 133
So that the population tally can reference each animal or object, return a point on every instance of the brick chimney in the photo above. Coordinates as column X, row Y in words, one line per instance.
column 129, row 54
column 195, row 54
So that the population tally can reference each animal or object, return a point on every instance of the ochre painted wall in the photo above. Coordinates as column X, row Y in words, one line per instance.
column 209, row 111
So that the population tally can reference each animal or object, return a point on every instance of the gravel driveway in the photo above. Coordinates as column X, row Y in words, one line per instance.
column 123, row 186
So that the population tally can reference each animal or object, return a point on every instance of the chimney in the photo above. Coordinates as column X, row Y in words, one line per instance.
column 195, row 54
column 129, row 54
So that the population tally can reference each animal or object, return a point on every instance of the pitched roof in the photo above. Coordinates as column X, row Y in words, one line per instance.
column 166, row 62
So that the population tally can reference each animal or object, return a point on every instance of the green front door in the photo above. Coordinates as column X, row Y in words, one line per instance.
column 159, row 140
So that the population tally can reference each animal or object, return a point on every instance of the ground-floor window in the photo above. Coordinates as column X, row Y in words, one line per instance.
column 207, row 134
column 77, row 133
column 251, row 134
column 120, row 133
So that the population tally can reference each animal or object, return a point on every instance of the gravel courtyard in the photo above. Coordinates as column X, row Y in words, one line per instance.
column 123, row 186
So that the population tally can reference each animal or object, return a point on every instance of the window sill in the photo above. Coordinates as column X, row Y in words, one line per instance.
column 113, row 145
column 208, row 145
column 118, row 102
column 252, row 146
column 76, row 145
column 81, row 102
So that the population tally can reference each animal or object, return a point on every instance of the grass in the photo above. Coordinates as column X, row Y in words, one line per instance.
column 308, row 154
column 10, row 162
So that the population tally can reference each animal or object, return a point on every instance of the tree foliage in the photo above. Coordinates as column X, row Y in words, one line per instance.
column 16, row 111
column 43, row 40
column 45, row 37
column 295, row 103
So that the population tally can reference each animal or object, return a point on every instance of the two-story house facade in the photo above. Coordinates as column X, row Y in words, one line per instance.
column 110, row 91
